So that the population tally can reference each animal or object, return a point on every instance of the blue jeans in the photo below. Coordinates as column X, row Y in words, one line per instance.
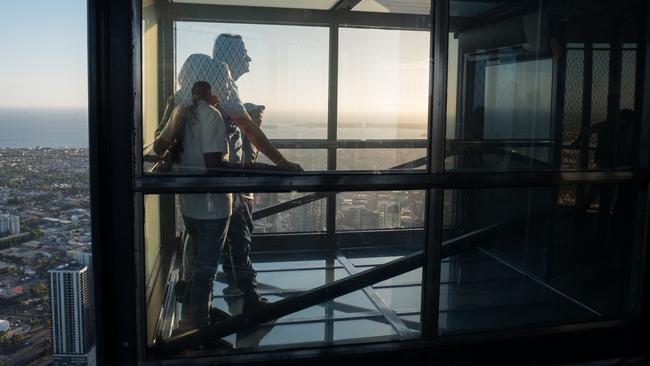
column 202, row 243
column 237, row 265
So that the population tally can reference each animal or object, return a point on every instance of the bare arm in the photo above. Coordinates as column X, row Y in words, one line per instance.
column 259, row 140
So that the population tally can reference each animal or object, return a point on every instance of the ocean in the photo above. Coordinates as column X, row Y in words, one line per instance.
column 22, row 127
column 69, row 127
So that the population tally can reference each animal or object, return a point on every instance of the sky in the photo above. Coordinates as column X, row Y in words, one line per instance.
column 44, row 53
column 44, row 61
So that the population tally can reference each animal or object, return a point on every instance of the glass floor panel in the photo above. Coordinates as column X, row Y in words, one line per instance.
column 477, row 293
column 365, row 314
column 489, row 295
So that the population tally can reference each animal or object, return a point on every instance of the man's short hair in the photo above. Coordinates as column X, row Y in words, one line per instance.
column 223, row 45
column 201, row 90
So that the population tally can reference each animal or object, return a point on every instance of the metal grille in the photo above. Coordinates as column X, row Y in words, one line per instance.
column 599, row 85
column 628, row 79
column 479, row 85
column 573, row 95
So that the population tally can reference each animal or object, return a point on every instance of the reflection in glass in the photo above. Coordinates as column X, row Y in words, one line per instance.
column 518, row 100
column 280, row 264
column 287, row 73
column 541, row 88
column 539, row 256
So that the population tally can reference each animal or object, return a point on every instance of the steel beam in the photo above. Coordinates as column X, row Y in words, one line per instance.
column 388, row 313
column 231, row 181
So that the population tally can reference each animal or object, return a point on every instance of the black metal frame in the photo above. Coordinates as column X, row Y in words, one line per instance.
column 117, row 190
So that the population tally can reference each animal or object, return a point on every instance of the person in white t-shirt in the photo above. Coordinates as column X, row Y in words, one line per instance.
column 203, row 146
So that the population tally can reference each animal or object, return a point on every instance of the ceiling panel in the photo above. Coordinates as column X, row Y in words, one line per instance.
column 395, row 6
column 295, row 4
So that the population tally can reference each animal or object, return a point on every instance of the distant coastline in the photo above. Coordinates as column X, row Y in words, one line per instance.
column 55, row 128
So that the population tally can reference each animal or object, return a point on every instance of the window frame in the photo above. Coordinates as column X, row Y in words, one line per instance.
column 118, row 187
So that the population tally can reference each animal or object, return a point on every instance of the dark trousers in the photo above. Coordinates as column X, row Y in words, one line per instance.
column 237, row 264
column 202, row 243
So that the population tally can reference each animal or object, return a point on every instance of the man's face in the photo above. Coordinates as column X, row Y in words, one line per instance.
column 240, row 61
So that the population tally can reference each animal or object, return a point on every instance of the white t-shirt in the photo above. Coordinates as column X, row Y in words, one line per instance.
column 204, row 133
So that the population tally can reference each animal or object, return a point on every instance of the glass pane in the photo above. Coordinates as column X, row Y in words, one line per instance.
column 287, row 73
column 540, row 256
column 206, row 240
column 380, row 210
column 534, row 91
column 276, row 75
column 383, row 84
column 309, row 159
column 309, row 217
column 301, row 4
column 279, row 75
column 381, row 159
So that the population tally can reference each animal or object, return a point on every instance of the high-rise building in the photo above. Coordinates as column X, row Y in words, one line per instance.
column 370, row 220
column 309, row 217
column 71, row 315
column 9, row 224
column 392, row 215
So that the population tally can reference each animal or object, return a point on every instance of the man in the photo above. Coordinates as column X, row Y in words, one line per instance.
column 200, row 67
column 237, row 265
column 230, row 50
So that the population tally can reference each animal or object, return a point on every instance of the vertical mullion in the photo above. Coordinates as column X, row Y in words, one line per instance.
column 585, row 121
column 166, row 89
column 111, row 114
column 614, row 86
column 559, row 93
column 642, row 98
column 329, row 305
column 586, row 103
column 332, row 116
column 436, row 164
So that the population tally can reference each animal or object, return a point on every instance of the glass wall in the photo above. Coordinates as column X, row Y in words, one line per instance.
column 289, row 197
column 543, row 255
column 329, row 97
column 286, row 263
column 531, row 92
column 321, row 112
column 541, row 88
